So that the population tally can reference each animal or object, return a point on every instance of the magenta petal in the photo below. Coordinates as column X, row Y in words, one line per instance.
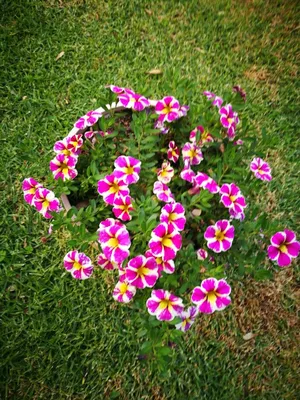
column 278, row 238
column 273, row 252
column 223, row 287
column 165, row 315
column 197, row 295
column 206, row 307
column 284, row 260
column 209, row 233
column 222, row 302
column 152, row 305
column 209, row 284
column 293, row 249
column 290, row 236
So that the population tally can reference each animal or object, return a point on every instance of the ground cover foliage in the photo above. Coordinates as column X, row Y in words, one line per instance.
column 66, row 339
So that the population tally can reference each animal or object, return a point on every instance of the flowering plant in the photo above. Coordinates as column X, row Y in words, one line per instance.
column 169, row 205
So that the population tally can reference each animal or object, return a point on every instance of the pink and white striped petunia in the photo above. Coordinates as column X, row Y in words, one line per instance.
column 112, row 188
column 173, row 214
column 284, row 247
column 240, row 91
column 187, row 319
column 261, row 169
column 165, row 173
column 129, row 99
column 229, row 119
column 142, row 272
column 124, row 292
column 205, row 182
column 163, row 192
column 240, row 216
column 105, row 263
column 209, row 95
column 63, row 167
column 160, row 125
column 30, row 186
column 166, row 266
column 183, row 111
column 45, row 202
column 78, row 264
column 164, row 305
column 187, row 174
column 127, row 168
column 75, row 142
column 212, row 295
column 165, row 241
column 115, row 242
column 116, row 89
column 168, row 109
column 192, row 153
column 61, row 147
column 219, row 236
column 232, row 198
column 201, row 254
column 204, row 136
column 218, row 101
column 238, row 142
column 89, row 119
column 121, row 208
column 173, row 152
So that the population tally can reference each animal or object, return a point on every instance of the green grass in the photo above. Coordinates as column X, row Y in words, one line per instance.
column 62, row 339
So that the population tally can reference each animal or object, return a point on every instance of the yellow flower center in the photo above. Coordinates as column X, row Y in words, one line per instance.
column 164, row 173
column 211, row 296
column 220, row 235
column 164, row 304
column 129, row 170
column 113, row 242
column 230, row 120
column 283, row 248
column 125, row 207
column 115, row 188
column 66, row 152
column 77, row 265
column 172, row 217
column 64, row 168
column 260, row 171
column 45, row 204
column 174, row 153
column 192, row 153
column 142, row 271
column 166, row 110
column 166, row 241
column 232, row 198
column 123, row 288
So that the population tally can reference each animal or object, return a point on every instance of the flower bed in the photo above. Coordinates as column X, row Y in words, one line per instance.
column 171, row 202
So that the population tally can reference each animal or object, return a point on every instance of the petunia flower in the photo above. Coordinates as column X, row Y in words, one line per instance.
column 167, row 109
column 173, row 152
column 121, row 208
column 261, row 169
column 234, row 215
column 205, row 136
column 212, row 295
column 201, row 254
column 187, row 174
column 209, row 95
column 63, row 167
column 165, row 173
column 115, row 242
column 183, row 111
column 127, row 169
column 116, row 89
column 163, row 192
column 173, row 214
column 229, row 119
column 111, row 188
column 46, row 202
column 284, row 247
column 142, row 272
column 75, row 143
column 105, row 263
column 160, row 125
column 238, row 142
column 187, row 319
column 61, row 147
column 164, row 305
column 89, row 119
column 205, row 182
column 240, row 91
column 166, row 266
column 218, row 101
column 78, row 264
column 109, row 222
column 30, row 186
column 124, row 292
column 165, row 241
column 219, row 236
column 137, row 102
column 192, row 153
column 232, row 198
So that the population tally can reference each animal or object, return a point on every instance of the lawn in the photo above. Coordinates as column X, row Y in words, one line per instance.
column 64, row 339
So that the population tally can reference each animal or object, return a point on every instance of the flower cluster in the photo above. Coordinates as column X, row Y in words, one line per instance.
column 42, row 199
column 232, row 198
column 229, row 119
column 67, row 152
